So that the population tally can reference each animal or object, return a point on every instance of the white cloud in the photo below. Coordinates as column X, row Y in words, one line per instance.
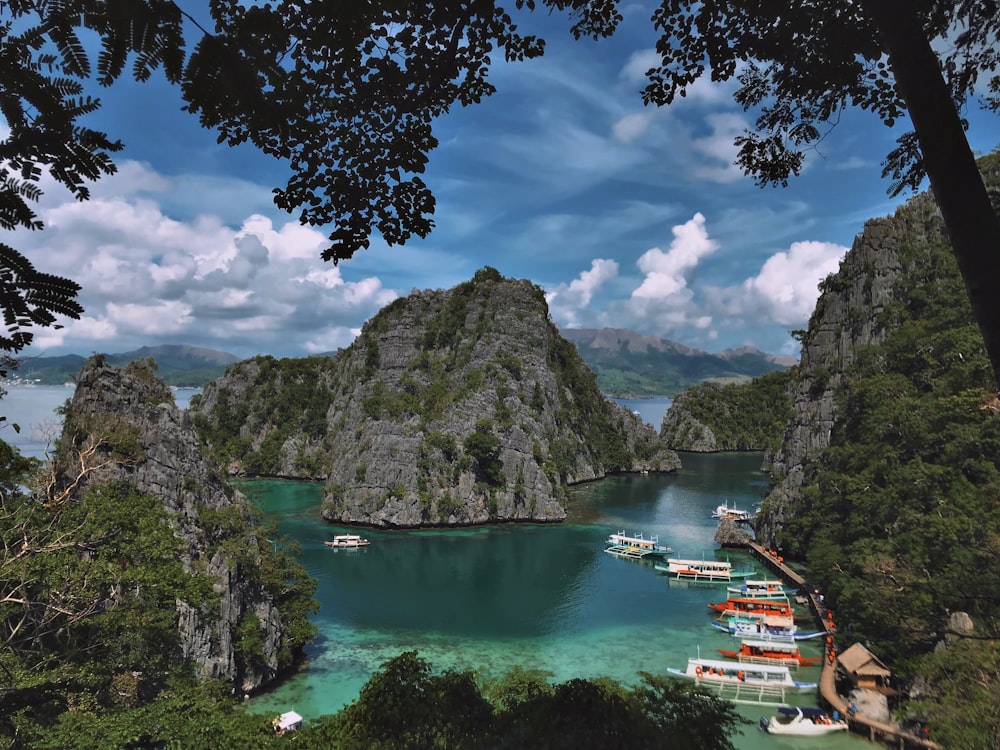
column 568, row 301
column 665, row 272
column 145, row 277
column 631, row 126
column 788, row 281
column 785, row 290
column 718, row 148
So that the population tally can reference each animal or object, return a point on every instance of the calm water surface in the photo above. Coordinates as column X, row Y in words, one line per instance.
column 487, row 599
column 545, row 596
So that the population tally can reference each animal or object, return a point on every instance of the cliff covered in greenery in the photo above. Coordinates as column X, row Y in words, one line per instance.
column 131, row 570
column 888, row 478
column 452, row 407
column 736, row 417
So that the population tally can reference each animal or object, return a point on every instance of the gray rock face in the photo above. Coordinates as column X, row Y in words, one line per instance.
column 683, row 431
column 166, row 461
column 849, row 316
column 453, row 407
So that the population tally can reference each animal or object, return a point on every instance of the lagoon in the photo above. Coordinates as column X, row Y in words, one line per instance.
column 542, row 596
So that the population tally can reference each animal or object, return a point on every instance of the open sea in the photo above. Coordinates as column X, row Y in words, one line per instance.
column 541, row 596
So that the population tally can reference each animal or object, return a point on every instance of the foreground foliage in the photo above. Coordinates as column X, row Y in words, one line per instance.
column 89, row 587
column 407, row 706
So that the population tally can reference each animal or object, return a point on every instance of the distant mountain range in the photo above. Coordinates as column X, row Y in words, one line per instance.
column 627, row 363
column 181, row 366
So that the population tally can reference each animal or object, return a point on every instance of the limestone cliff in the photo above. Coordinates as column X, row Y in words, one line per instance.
column 123, row 426
column 452, row 407
column 854, row 312
column 735, row 417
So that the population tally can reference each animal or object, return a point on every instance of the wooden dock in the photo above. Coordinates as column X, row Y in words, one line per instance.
column 876, row 731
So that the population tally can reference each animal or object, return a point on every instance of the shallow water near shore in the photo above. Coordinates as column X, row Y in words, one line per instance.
column 541, row 596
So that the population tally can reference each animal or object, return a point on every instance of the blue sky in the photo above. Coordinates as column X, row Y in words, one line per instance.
column 627, row 216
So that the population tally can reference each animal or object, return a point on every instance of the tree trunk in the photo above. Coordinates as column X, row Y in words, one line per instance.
column 951, row 168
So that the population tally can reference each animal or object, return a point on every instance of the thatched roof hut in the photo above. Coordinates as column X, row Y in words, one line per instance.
column 865, row 669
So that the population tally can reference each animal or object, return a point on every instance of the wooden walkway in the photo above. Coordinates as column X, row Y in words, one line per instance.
column 888, row 734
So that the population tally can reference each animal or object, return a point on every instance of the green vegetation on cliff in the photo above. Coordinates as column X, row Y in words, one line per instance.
column 452, row 407
column 737, row 417
column 129, row 571
column 899, row 518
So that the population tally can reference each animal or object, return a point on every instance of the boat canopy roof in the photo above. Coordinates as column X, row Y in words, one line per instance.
column 730, row 665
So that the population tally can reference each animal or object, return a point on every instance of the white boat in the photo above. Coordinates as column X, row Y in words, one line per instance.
column 743, row 683
column 347, row 540
column 703, row 570
column 759, row 589
column 636, row 546
column 763, row 627
column 803, row 721
column 733, row 513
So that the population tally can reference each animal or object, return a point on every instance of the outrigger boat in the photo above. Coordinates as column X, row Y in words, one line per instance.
column 703, row 570
column 771, row 652
column 733, row 514
column 802, row 721
column 636, row 547
column 776, row 628
column 347, row 540
column 759, row 589
column 742, row 683
column 740, row 605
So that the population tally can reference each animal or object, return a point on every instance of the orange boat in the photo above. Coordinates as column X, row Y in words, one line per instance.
column 771, row 652
column 762, row 606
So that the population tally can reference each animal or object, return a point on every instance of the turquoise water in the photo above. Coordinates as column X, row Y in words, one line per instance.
column 544, row 597
column 487, row 599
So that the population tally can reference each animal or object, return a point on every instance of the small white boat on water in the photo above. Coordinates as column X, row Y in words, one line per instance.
column 636, row 546
column 760, row 588
column 802, row 721
column 732, row 513
column 703, row 570
column 350, row 541
column 743, row 683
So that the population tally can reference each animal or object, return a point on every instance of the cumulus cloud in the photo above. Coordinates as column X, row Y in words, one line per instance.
column 145, row 277
column 569, row 302
column 788, row 282
column 665, row 272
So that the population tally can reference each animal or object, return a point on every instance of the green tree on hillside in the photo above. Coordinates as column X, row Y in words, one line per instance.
column 348, row 94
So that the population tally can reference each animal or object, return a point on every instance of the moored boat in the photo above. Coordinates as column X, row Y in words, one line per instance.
column 759, row 588
column 742, row 605
column 347, row 540
column 703, row 570
column 636, row 546
column 743, row 683
column 756, row 626
column 771, row 652
column 733, row 514
column 802, row 721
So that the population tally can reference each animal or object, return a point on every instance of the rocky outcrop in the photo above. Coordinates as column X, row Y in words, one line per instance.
column 735, row 417
column 122, row 425
column 454, row 407
column 849, row 316
column 729, row 534
column 854, row 312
